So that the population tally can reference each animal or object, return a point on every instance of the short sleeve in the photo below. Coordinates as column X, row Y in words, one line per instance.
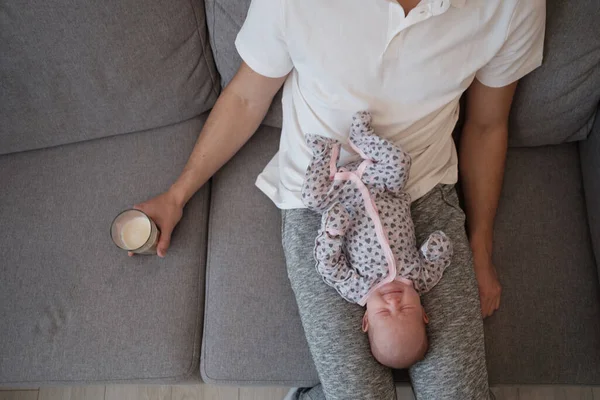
column 261, row 41
column 522, row 51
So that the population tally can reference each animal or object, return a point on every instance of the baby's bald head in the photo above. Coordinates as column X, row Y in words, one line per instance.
column 395, row 321
column 398, row 344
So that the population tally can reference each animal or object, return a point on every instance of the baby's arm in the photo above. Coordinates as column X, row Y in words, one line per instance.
column 329, row 252
column 436, row 256
column 319, row 190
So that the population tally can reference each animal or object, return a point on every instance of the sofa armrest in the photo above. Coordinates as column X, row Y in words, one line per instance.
column 590, row 165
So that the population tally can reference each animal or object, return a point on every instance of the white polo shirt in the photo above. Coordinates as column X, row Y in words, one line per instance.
column 409, row 71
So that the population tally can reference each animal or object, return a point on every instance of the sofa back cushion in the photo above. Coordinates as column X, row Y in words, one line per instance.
column 225, row 19
column 557, row 102
column 72, row 71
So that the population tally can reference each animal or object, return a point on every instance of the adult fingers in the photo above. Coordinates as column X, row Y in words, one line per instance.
column 164, row 241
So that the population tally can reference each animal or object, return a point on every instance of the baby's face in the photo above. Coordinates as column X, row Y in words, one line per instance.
column 397, row 300
column 396, row 322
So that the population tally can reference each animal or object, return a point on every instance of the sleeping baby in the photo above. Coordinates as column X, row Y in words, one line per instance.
column 366, row 247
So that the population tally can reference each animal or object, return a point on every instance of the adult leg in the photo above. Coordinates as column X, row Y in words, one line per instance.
column 332, row 326
column 454, row 367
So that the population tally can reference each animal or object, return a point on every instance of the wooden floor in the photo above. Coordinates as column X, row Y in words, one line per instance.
column 209, row 392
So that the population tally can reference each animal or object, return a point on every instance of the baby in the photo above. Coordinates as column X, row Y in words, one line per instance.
column 366, row 247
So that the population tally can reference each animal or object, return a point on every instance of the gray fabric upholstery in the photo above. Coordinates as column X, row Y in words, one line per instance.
column 590, row 166
column 557, row 102
column 548, row 327
column 225, row 18
column 252, row 330
column 74, row 307
column 72, row 71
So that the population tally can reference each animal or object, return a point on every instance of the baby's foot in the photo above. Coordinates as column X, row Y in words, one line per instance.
column 363, row 139
column 319, row 144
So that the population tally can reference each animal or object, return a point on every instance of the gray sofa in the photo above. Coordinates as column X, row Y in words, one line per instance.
column 101, row 103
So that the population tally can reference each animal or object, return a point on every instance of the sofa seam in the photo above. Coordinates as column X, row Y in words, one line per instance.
column 200, row 319
column 173, row 378
column 209, row 241
column 302, row 383
column 113, row 135
column 203, row 46
column 214, row 24
column 585, row 188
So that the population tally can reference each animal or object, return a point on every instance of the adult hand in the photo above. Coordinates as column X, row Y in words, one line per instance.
column 166, row 212
column 490, row 289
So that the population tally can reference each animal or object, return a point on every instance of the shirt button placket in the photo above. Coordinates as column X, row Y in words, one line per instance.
column 440, row 6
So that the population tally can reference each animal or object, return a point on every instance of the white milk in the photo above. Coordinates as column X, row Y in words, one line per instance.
column 136, row 232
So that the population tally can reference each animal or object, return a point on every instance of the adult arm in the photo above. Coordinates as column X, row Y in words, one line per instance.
column 235, row 117
column 481, row 164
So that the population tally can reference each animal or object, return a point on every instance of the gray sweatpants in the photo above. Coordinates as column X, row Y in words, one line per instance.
column 454, row 367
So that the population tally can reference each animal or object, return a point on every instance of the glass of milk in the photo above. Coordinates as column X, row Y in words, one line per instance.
column 134, row 231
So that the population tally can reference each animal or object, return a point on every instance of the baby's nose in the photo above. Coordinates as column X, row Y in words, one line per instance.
column 396, row 303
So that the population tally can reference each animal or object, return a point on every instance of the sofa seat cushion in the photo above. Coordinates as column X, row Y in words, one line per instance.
column 547, row 330
column 76, row 71
column 74, row 308
column 253, row 332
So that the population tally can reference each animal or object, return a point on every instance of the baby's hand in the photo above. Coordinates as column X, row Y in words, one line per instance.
column 337, row 220
column 319, row 144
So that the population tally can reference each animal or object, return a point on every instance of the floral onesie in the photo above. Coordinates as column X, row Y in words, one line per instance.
column 367, row 236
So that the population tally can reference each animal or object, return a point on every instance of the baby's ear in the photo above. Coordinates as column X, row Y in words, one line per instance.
column 425, row 317
column 365, row 323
